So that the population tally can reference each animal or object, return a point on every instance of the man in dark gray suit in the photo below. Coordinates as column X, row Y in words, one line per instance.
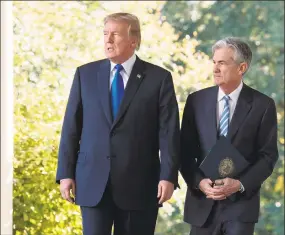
column 121, row 112
column 246, row 117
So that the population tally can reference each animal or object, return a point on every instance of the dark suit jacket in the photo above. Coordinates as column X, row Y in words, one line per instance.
column 93, row 147
column 252, row 130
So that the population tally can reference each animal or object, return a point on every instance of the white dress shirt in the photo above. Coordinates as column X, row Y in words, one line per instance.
column 232, row 102
column 126, row 72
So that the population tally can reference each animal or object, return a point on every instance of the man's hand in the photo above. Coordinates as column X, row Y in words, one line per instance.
column 165, row 191
column 205, row 186
column 67, row 185
column 227, row 186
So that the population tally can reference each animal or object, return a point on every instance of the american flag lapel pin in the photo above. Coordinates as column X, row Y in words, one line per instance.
column 139, row 76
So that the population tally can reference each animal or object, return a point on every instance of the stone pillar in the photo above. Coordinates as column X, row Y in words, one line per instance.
column 6, row 117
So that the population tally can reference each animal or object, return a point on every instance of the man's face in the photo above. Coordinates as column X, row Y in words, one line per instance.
column 227, row 73
column 119, row 46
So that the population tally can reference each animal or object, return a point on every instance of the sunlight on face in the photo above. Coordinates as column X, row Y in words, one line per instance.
column 119, row 46
column 226, row 71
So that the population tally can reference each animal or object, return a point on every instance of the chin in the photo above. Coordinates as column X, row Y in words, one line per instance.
column 113, row 58
column 109, row 55
column 217, row 82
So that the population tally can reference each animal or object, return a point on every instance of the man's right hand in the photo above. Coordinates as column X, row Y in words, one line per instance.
column 206, row 186
column 67, row 185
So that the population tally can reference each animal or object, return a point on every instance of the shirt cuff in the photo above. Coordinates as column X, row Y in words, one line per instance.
column 242, row 189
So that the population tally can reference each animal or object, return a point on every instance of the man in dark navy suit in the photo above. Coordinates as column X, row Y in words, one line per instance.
column 245, row 116
column 120, row 138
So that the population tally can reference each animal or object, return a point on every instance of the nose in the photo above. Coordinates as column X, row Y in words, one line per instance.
column 216, row 68
column 108, row 37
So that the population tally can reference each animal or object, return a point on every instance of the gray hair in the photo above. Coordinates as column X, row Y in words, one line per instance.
column 134, row 24
column 242, row 51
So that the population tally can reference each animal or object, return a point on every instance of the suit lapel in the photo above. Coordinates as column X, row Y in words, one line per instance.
column 242, row 109
column 211, row 116
column 133, row 84
column 103, row 79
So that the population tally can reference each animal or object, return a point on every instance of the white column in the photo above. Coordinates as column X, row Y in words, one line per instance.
column 6, row 117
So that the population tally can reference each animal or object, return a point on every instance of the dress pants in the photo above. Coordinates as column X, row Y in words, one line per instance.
column 217, row 224
column 99, row 220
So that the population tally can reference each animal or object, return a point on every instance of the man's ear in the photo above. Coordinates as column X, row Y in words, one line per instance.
column 242, row 68
column 134, row 44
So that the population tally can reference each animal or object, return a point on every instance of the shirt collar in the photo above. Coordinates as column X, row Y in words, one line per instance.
column 127, row 65
column 234, row 95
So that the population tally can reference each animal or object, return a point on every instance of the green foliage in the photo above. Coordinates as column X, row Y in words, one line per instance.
column 52, row 38
column 261, row 24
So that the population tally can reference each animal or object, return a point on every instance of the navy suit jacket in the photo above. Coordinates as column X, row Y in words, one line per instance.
column 252, row 130
column 94, row 148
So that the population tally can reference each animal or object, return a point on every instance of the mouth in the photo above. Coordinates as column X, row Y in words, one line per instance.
column 110, row 49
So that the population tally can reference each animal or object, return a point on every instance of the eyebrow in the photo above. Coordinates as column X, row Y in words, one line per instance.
column 111, row 31
column 219, row 61
column 226, row 61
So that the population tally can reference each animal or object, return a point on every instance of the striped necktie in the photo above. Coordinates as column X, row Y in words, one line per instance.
column 225, row 117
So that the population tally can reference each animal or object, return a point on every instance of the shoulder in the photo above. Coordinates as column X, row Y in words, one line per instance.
column 203, row 93
column 93, row 65
column 155, row 69
column 259, row 98
column 202, row 97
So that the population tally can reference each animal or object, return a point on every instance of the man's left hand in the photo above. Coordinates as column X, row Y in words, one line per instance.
column 165, row 191
column 227, row 186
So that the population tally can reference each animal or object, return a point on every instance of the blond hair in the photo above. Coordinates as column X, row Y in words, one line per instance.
column 134, row 24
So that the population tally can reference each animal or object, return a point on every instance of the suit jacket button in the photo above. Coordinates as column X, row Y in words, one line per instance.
column 108, row 157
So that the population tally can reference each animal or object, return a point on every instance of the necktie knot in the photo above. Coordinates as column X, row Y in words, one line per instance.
column 119, row 67
column 226, row 98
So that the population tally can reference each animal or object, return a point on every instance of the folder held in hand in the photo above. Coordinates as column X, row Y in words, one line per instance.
column 223, row 160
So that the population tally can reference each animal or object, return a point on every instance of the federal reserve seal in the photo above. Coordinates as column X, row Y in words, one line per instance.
column 226, row 167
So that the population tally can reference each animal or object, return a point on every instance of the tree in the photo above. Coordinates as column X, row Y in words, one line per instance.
column 261, row 24
column 50, row 40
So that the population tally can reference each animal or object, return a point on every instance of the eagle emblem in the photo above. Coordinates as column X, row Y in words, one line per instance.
column 226, row 167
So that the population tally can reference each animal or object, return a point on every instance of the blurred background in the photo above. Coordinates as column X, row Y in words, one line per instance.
column 52, row 38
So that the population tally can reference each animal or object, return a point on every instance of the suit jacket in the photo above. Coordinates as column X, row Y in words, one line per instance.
column 252, row 130
column 94, row 148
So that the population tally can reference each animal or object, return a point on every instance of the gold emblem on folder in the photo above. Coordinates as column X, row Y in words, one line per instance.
column 226, row 167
